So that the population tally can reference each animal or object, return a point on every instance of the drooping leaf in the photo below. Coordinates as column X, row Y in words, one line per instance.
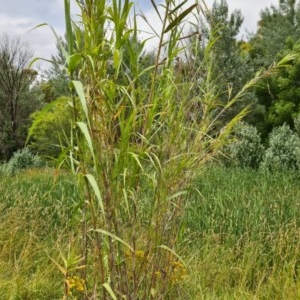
column 113, row 236
column 110, row 291
column 178, row 19
column 84, row 129
column 80, row 92
column 58, row 39
column 93, row 183
column 73, row 61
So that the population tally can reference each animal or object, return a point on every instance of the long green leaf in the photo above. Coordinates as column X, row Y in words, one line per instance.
column 84, row 129
column 113, row 236
column 175, row 195
column 178, row 19
column 178, row 7
column 156, row 9
column 73, row 61
column 110, row 291
column 173, row 252
column 93, row 183
column 69, row 32
column 57, row 37
column 80, row 92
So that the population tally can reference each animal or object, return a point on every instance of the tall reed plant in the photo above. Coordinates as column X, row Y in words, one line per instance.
column 134, row 147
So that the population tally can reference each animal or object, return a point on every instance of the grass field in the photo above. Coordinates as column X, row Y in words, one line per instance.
column 244, row 235
column 241, row 238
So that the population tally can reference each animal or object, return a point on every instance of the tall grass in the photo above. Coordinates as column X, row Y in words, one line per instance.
column 40, row 230
column 244, row 228
column 38, row 191
column 134, row 149
column 38, row 217
column 237, row 202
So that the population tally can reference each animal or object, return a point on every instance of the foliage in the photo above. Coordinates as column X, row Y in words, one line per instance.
column 231, row 69
column 278, row 95
column 19, row 97
column 37, row 218
column 229, row 65
column 230, row 58
column 284, row 150
column 277, row 24
column 241, row 223
column 22, row 159
column 297, row 124
column 238, row 229
column 136, row 132
column 246, row 149
column 135, row 147
column 50, row 128
column 57, row 81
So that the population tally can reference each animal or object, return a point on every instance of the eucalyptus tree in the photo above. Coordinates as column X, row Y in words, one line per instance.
column 277, row 24
column 229, row 69
column 229, row 63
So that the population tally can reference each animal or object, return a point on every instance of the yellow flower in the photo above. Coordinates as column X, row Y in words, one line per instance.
column 140, row 254
column 158, row 274
column 75, row 283
column 178, row 272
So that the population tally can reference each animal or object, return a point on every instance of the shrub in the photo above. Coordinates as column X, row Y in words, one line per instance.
column 283, row 152
column 50, row 128
column 297, row 124
column 22, row 159
column 246, row 150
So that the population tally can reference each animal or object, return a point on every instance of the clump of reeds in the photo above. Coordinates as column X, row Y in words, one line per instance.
column 136, row 146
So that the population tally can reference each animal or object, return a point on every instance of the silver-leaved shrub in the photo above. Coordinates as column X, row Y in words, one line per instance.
column 22, row 159
column 283, row 152
column 246, row 149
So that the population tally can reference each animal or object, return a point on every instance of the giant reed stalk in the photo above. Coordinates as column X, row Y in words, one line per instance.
column 134, row 148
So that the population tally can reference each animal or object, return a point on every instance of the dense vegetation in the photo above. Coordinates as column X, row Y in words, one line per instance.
column 273, row 101
column 241, row 237
column 174, row 172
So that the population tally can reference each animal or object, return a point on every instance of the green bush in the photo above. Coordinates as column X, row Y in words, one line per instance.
column 283, row 152
column 246, row 150
column 22, row 159
column 50, row 128
column 297, row 124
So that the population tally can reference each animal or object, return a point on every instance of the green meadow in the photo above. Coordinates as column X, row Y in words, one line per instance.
column 240, row 240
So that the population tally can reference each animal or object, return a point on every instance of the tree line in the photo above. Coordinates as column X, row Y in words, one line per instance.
column 40, row 107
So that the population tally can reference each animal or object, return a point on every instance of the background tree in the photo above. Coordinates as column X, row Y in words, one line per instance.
column 18, row 98
column 277, row 24
column 57, row 82
column 278, row 96
column 229, row 56
column 228, row 61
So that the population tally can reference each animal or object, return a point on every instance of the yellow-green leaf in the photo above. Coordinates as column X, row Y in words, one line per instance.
column 73, row 61
column 93, row 183
column 113, row 236
column 110, row 291
column 84, row 129
column 80, row 92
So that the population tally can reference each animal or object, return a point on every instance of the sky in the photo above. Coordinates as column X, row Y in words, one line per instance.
column 19, row 17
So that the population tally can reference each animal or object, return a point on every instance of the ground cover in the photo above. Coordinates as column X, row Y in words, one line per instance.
column 241, row 236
